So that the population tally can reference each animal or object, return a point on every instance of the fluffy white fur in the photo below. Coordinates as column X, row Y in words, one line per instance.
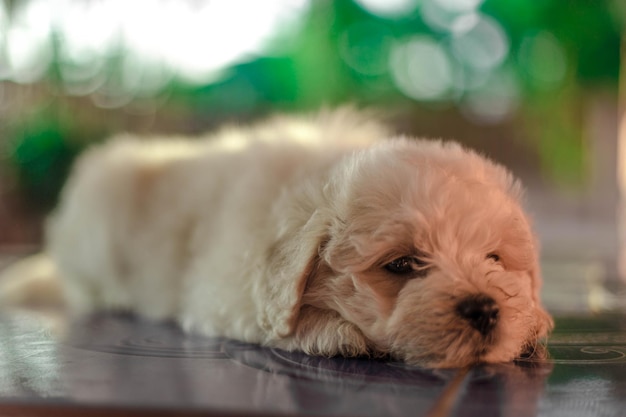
column 279, row 234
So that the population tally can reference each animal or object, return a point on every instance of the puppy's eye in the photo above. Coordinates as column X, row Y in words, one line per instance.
column 407, row 265
column 494, row 256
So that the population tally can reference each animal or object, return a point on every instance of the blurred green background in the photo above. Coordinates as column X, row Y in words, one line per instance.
column 522, row 80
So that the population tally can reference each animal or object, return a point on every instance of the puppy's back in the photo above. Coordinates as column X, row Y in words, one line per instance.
column 162, row 226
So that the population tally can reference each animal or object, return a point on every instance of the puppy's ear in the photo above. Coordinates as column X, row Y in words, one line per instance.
column 291, row 262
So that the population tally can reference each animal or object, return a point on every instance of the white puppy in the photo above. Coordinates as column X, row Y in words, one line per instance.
column 310, row 235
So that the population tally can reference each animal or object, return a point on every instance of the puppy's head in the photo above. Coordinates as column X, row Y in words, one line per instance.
column 427, row 251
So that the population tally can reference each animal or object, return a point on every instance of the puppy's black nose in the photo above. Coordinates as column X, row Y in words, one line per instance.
column 481, row 311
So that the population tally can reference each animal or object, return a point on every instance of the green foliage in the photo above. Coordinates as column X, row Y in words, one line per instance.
column 42, row 148
column 556, row 51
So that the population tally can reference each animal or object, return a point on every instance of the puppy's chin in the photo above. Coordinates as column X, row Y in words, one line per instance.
column 466, row 349
column 425, row 327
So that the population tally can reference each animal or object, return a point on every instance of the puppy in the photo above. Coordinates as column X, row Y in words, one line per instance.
column 312, row 234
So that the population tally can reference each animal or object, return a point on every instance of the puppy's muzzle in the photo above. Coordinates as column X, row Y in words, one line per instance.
column 481, row 311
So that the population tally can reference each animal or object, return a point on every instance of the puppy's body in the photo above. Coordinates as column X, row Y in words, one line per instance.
column 298, row 234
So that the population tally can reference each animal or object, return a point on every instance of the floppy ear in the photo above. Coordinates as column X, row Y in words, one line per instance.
column 291, row 262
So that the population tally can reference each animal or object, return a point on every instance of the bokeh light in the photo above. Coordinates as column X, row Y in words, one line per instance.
column 495, row 100
column 365, row 47
column 543, row 58
column 27, row 43
column 389, row 8
column 450, row 15
column 421, row 68
column 483, row 46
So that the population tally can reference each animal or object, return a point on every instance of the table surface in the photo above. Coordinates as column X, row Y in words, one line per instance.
column 119, row 365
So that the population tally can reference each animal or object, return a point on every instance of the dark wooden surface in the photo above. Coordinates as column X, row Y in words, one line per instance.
column 120, row 365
